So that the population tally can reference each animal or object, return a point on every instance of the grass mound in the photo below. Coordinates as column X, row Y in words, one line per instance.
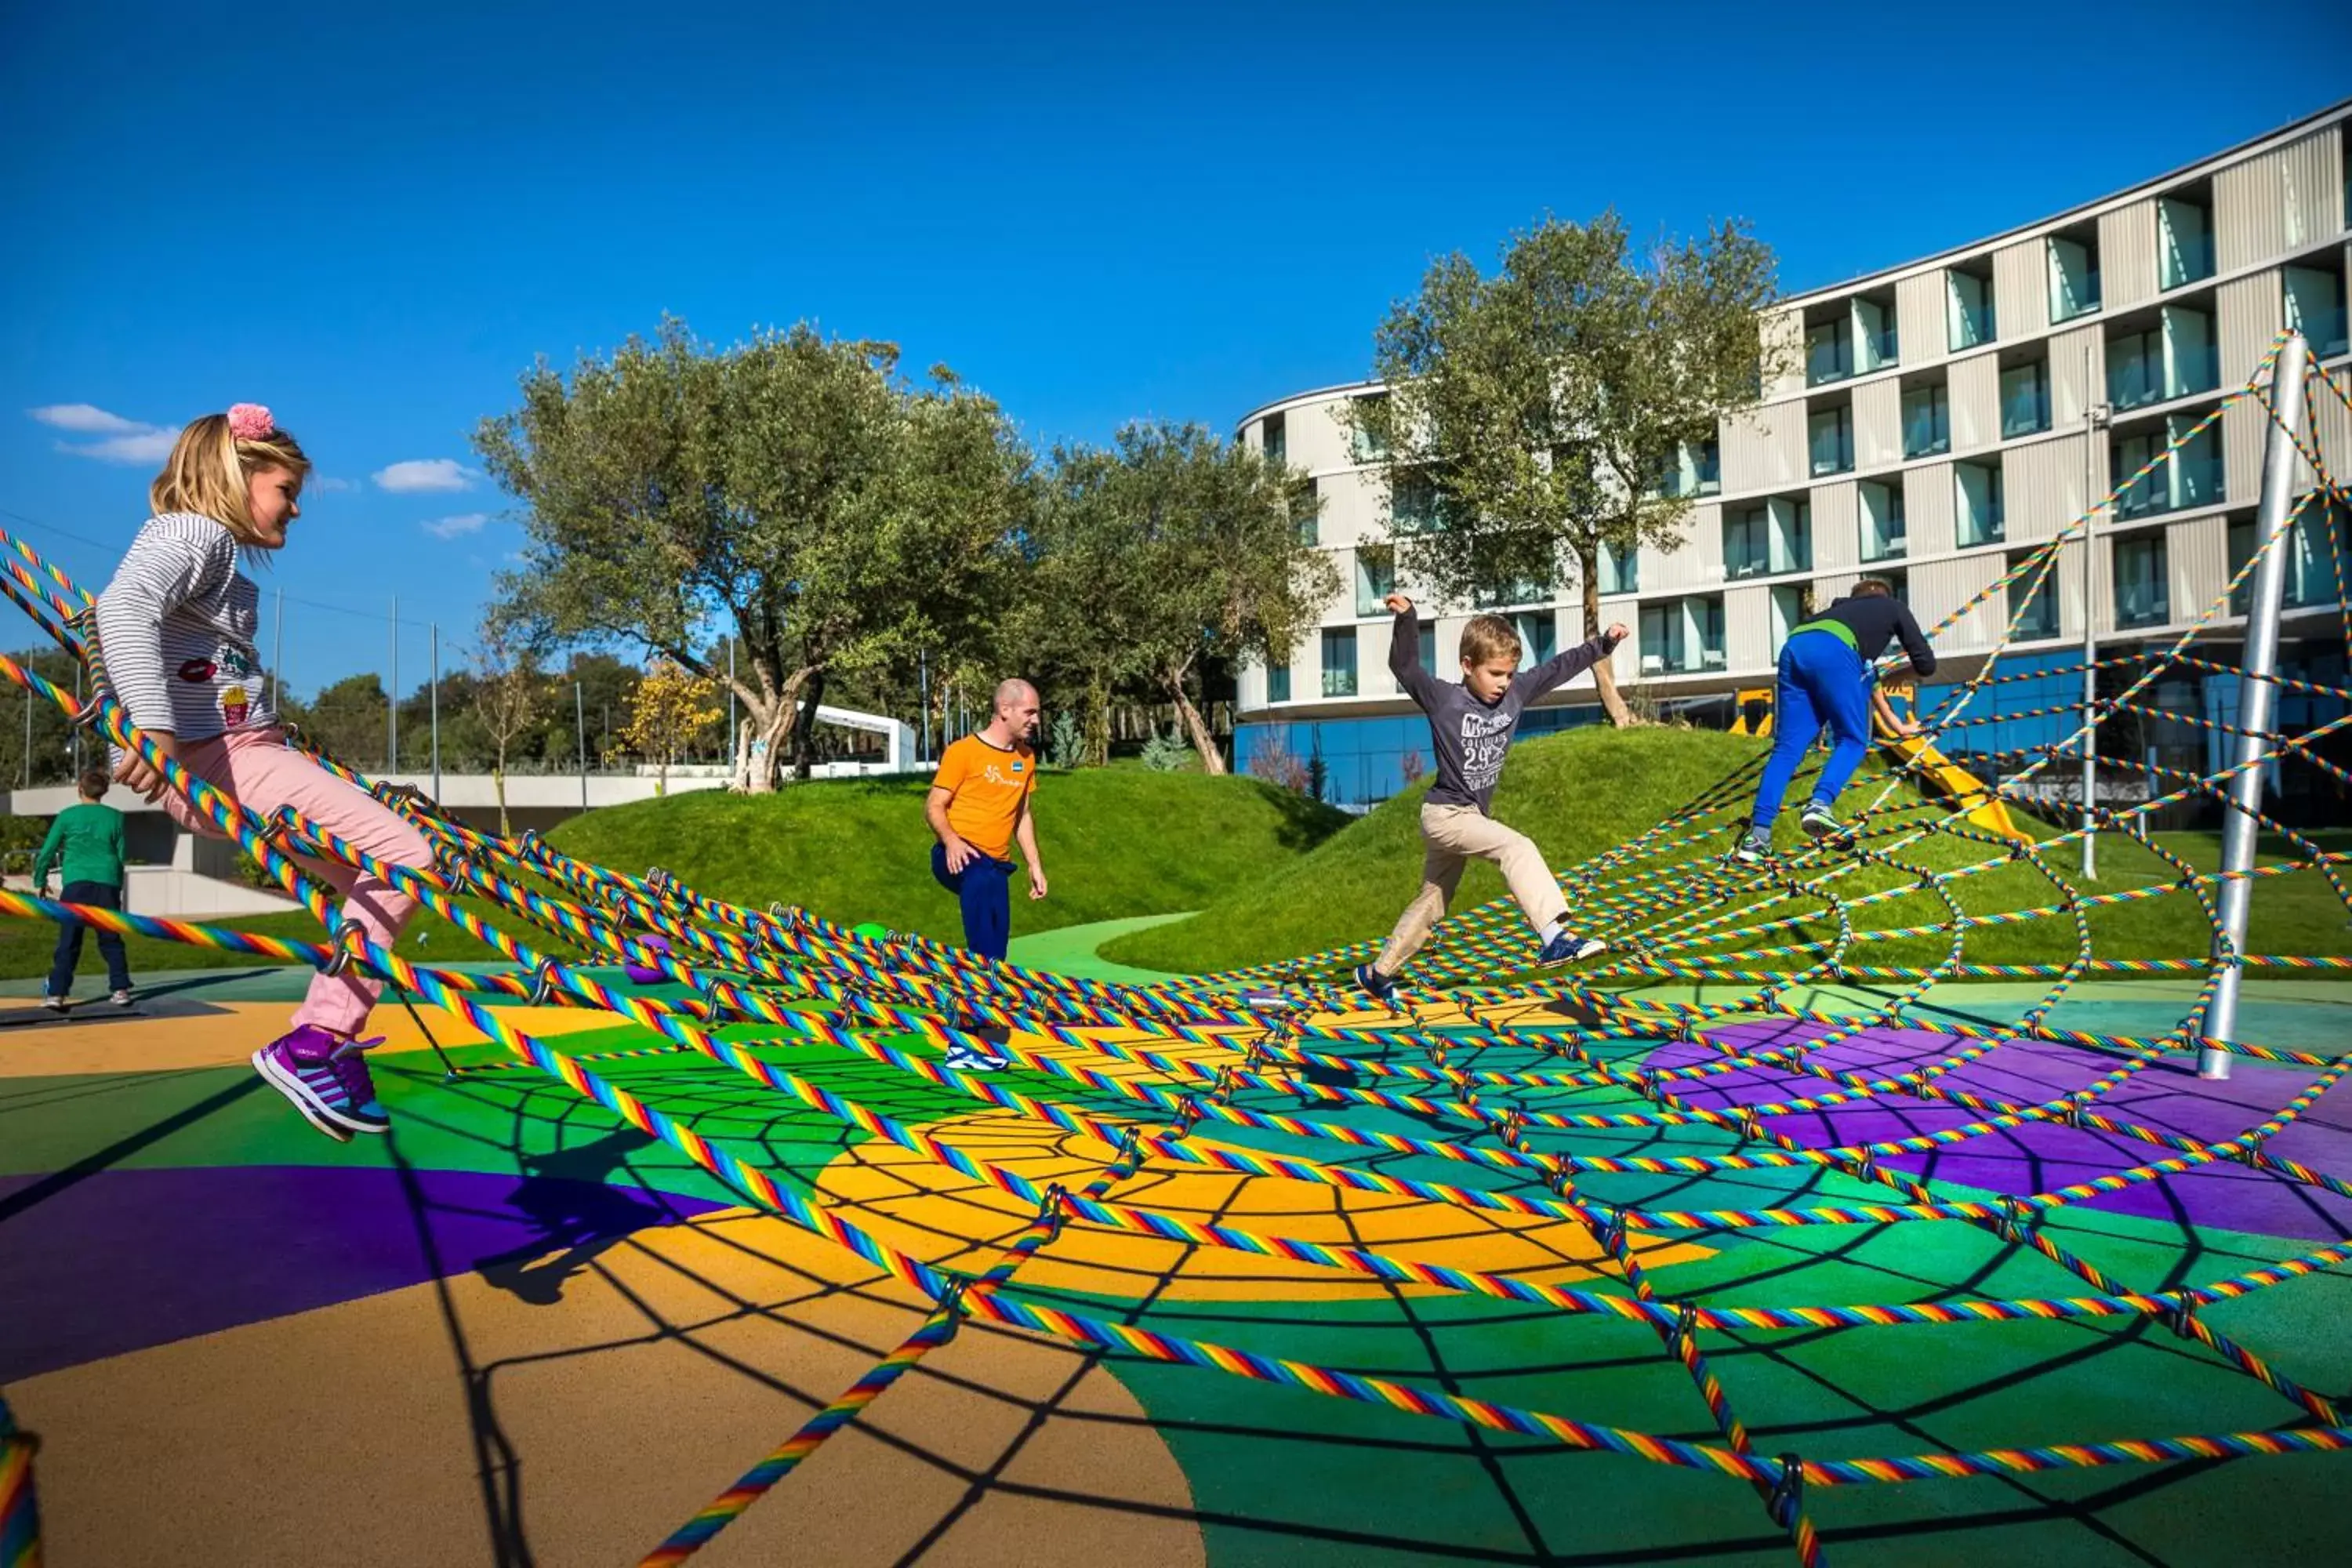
column 1115, row 842
column 1583, row 794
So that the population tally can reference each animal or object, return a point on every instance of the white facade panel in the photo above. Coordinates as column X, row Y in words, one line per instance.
column 1784, row 337
column 2041, row 488
column 1975, row 402
column 2279, row 200
column 2127, row 255
column 1878, row 423
column 1837, row 525
column 1922, row 331
column 1927, row 506
column 1764, row 448
column 2021, row 291
column 1696, row 562
column 1747, row 627
column 1938, row 588
column 2248, row 316
column 2197, row 557
column 2078, row 373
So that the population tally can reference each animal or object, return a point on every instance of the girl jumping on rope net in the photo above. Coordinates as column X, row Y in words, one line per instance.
column 1828, row 677
column 176, row 646
column 1470, row 728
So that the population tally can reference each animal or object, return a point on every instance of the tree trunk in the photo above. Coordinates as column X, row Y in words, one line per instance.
column 804, row 726
column 1097, row 722
column 499, row 784
column 1212, row 761
column 1604, row 678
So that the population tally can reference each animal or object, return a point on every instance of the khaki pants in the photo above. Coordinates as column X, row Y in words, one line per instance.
column 1453, row 836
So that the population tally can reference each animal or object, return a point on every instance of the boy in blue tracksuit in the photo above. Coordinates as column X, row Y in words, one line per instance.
column 1827, row 678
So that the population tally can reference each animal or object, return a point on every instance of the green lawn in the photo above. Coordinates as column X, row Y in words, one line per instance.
column 1116, row 842
column 1583, row 794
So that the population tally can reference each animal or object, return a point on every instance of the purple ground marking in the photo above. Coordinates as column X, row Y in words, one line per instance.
column 2166, row 1097
column 125, row 1259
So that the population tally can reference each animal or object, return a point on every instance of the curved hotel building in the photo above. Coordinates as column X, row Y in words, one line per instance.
column 1936, row 418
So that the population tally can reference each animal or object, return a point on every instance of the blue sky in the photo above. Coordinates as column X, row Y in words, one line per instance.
column 373, row 218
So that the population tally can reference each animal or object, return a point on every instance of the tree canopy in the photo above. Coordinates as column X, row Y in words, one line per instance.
column 792, row 489
column 1531, row 416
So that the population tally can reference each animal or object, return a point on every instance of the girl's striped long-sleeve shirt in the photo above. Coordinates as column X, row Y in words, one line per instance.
column 176, row 629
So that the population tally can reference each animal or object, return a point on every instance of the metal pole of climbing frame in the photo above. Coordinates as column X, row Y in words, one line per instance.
column 2256, row 694
column 2094, row 419
column 392, row 747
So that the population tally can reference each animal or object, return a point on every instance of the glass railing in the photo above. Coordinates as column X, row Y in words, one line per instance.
column 2142, row 604
column 1885, row 548
column 2194, row 370
column 2184, row 261
column 1885, row 348
column 2327, row 331
column 2191, row 481
column 1971, row 326
column 2134, row 382
column 1823, row 366
column 1973, row 532
column 1924, row 439
column 1339, row 683
column 2077, row 296
column 2025, row 413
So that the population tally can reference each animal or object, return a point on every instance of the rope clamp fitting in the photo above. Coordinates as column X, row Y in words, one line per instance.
column 1686, row 1322
column 543, row 984
column 346, row 934
column 2182, row 1319
column 2016, row 1220
column 1788, row 1492
column 1188, row 1115
column 1051, row 1212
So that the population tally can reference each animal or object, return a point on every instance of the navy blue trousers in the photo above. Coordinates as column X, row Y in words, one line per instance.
column 985, row 887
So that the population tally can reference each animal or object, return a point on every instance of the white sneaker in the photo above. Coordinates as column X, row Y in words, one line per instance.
column 54, row 1004
column 120, row 998
column 968, row 1058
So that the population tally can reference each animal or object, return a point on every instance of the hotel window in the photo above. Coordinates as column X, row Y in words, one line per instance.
column 1683, row 635
column 2179, row 475
column 1692, row 470
column 2313, row 556
column 1307, row 510
column 2184, row 239
column 1273, row 436
column 1414, row 505
column 2025, row 398
column 1620, row 570
column 2142, row 597
column 2038, row 602
column 2171, row 356
column 1828, row 349
column 2074, row 273
column 1884, row 536
column 1375, row 578
column 1927, row 420
column 1968, row 306
column 1338, row 661
column 1538, row 635
column 1978, row 516
column 1277, row 682
column 1363, row 444
column 1829, row 434
column 2315, row 306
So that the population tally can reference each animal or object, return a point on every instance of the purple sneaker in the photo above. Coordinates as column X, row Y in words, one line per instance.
column 327, row 1079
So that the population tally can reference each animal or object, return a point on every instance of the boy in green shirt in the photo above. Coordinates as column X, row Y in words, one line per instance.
column 88, row 839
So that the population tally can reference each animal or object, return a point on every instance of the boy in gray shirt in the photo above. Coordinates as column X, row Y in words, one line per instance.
column 1470, row 728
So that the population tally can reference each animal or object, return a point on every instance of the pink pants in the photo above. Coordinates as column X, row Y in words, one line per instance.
column 257, row 770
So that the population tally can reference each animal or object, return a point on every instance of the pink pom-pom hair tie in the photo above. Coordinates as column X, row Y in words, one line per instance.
column 250, row 422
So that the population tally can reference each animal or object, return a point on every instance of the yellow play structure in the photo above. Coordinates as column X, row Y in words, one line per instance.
column 1752, row 715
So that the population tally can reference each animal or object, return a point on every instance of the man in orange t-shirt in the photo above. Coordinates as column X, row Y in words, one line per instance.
column 979, row 808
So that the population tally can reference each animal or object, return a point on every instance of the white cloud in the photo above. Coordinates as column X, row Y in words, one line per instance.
column 88, row 419
column 420, row 474
column 126, row 440
column 324, row 482
column 456, row 527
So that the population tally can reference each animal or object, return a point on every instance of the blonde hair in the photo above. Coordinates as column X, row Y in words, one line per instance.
column 210, row 470
column 1489, row 637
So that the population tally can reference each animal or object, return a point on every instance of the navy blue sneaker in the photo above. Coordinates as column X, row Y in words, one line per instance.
column 1755, row 846
column 1819, row 822
column 1373, row 983
column 1566, row 947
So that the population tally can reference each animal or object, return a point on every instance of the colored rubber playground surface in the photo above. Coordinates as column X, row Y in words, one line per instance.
column 519, row 1332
